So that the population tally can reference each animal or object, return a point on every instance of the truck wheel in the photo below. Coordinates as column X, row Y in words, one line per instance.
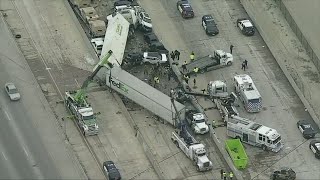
column 264, row 147
column 177, row 144
column 229, row 63
column 198, row 168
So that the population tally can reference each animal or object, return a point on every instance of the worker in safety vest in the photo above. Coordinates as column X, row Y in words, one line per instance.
column 195, row 70
column 224, row 176
column 230, row 175
column 156, row 80
column 192, row 56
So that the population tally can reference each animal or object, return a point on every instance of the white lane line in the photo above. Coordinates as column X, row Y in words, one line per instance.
column 77, row 82
column 7, row 114
column 25, row 151
column 5, row 157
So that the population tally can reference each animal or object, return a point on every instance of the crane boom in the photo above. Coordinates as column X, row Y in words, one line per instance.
column 79, row 97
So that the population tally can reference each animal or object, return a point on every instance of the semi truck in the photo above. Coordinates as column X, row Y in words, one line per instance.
column 197, row 121
column 192, row 149
column 254, row 133
column 248, row 93
column 143, row 94
column 219, row 59
column 77, row 105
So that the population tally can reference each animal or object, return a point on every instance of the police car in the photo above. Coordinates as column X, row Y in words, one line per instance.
column 209, row 25
column 245, row 26
column 185, row 9
column 307, row 129
column 315, row 148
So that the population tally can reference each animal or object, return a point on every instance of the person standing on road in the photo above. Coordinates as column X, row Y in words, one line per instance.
column 194, row 83
column 177, row 54
column 186, row 78
column 172, row 55
column 184, row 66
column 231, row 175
column 192, row 56
column 145, row 72
column 231, row 48
column 243, row 66
column 224, row 175
column 221, row 173
column 195, row 70
column 245, row 63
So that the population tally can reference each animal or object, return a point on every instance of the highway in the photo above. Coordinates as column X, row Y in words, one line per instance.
column 30, row 146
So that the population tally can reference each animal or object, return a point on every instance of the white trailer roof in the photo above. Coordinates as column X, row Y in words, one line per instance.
column 116, row 39
column 143, row 94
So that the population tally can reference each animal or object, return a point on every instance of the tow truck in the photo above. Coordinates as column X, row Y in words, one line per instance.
column 197, row 121
column 76, row 104
column 189, row 146
column 218, row 60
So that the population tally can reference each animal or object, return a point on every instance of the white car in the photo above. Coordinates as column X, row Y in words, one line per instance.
column 12, row 91
column 154, row 58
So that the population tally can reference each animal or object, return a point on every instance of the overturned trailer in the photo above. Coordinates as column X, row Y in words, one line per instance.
column 145, row 95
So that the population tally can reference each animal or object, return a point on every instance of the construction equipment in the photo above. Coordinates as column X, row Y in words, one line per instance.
column 254, row 133
column 218, row 60
column 248, row 93
column 237, row 153
column 192, row 149
column 77, row 105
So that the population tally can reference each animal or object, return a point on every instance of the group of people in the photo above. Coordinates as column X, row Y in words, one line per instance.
column 224, row 175
column 175, row 55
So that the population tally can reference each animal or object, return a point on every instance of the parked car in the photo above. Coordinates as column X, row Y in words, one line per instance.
column 154, row 57
column 307, row 129
column 245, row 26
column 315, row 148
column 185, row 9
column 209, row 25
column 111, row 171
column 12, row 91
column 145, row 21
column 284, row 174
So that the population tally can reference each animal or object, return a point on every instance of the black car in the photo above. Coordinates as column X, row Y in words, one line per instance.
column 209, row 25
column 154, row 43
column 315, row 148
column 185, row 9
column 284, row 174
column 122, row 3
column 307, row 129
column 110, row 170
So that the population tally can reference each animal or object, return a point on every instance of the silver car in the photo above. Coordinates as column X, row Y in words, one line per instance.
column 12, row 91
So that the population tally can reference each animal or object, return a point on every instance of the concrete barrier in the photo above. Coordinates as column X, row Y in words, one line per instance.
column 146, row 148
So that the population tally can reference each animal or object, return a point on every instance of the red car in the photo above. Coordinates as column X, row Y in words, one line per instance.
column 185, row 9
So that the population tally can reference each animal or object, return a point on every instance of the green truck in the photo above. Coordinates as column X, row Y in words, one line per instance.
column 237, row 153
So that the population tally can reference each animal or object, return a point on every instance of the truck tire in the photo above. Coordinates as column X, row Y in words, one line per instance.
column 198, row 168
column 177, row 144
column 264, row 147
column 229, row 63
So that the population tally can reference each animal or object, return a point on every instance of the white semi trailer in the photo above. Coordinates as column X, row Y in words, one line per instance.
column 144, row 95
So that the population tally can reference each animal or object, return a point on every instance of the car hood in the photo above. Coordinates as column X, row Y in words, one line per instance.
column 149, row 25
column 15, row 96
column 202, row 125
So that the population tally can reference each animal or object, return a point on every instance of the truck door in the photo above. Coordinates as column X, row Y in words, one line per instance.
column 245, row 137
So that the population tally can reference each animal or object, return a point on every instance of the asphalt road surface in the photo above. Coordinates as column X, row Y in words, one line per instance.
column 24, row 141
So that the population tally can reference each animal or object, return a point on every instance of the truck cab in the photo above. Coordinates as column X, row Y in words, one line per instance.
column 217, row 89
column 197, row 122
column 199, row 155
column 97, row 44
column 223, row 57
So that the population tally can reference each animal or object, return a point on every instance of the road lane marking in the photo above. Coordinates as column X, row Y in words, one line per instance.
column 5, row 157
column 7, row 114
column 25, row 151
column 77, row 82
